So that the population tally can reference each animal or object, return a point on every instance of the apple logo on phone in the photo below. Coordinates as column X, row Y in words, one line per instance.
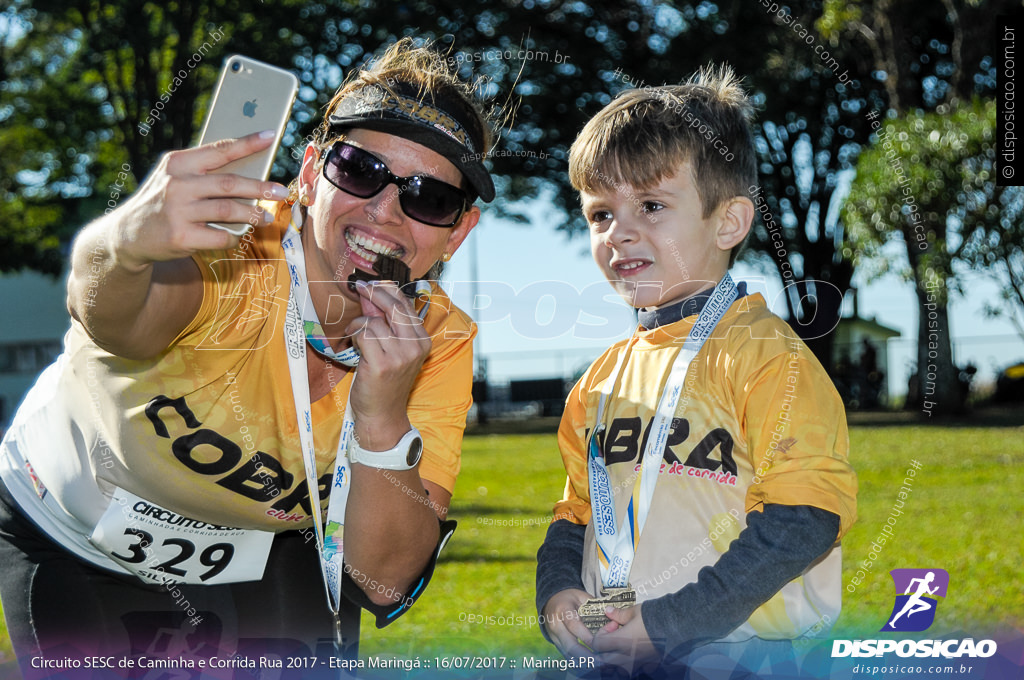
column 249, row 109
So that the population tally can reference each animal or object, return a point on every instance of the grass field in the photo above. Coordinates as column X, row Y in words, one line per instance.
column 963, row 514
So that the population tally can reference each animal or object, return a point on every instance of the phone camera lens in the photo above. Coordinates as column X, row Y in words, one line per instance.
column 236, row 67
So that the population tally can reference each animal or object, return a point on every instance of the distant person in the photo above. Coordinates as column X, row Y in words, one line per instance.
column 870, row 376
column 868, row 357
column 965, row 379
column 913, row 400
column 216, row 398
column 712, row 421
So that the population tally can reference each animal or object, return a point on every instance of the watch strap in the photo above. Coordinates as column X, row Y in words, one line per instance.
column 403, row 456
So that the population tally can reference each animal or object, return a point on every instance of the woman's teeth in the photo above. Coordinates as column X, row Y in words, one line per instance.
column 367, row 248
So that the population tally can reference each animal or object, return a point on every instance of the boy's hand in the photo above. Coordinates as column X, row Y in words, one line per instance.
column 563, row 624
column 624, row 641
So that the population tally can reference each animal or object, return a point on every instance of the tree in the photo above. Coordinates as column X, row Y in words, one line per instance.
column 933, row 176
column 48, row 119
column 991, row 222
column 111, row 86
column 922, row 163
column 551, row 64
column 997, row 249
column 806, row 137
column 556, row 63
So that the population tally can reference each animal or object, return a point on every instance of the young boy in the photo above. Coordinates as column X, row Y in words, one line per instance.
column 706, row 455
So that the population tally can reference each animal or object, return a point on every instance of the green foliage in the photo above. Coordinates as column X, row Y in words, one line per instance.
column 122, row 56
column 924, row 56
column 46, row 107
column 90, row 73
column 836, row 17
column 98, row 70
column 931, row 178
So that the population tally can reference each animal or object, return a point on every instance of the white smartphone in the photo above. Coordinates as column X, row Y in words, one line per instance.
column 250, row 97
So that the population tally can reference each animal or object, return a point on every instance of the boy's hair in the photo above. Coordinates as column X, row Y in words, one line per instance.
column 645, row 134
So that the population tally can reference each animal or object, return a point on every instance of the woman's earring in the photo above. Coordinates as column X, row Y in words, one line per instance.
column 293, row 193
column 447, row 256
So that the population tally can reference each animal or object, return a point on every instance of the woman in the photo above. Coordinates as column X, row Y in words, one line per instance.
column 157, row 487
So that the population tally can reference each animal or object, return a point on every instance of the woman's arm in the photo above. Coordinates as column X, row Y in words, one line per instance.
column 391, row 523
column 133, row 284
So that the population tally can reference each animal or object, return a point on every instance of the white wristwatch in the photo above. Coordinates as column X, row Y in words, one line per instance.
column 404, row 456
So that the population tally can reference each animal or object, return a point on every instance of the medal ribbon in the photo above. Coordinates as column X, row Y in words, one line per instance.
column 329, row 538
column 617, row 548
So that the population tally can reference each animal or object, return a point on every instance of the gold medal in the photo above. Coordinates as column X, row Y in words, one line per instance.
column 592, row 611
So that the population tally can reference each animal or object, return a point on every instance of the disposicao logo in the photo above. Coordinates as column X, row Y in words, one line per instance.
column 917, row 591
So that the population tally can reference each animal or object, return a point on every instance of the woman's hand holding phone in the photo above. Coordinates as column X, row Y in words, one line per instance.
column 133, row 284
column 167, row 218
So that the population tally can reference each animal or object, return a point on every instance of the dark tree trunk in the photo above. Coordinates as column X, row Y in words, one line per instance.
column 937, row 375
column 816, row 315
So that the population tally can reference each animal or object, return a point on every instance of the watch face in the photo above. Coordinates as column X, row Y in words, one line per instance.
column 415, row 450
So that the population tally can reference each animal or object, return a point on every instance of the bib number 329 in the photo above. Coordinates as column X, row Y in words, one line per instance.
column 161, row 546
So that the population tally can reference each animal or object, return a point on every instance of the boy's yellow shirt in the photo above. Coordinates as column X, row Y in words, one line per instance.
column 759, row 422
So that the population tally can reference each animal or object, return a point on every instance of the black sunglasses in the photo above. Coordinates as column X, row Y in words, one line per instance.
column 425, row 199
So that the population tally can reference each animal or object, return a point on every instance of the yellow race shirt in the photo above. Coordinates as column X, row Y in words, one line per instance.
column 208, row 429
column 758, row 422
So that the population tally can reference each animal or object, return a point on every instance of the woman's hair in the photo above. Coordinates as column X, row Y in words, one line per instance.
column 423, row 67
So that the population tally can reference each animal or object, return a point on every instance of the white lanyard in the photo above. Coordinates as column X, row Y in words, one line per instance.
column 617, row 548
column 302, row 326
column 329, row 539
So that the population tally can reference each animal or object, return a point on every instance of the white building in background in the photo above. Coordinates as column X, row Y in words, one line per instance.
column 33, row 321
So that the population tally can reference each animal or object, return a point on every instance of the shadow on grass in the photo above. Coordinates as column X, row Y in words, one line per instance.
column 983, row 416
column 470, row 556
column 478, row 509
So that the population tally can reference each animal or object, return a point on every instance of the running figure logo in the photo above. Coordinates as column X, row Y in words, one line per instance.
column 916, row 593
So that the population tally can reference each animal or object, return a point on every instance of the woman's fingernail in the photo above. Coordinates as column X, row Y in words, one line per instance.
column 279, row 192
column 267, row 134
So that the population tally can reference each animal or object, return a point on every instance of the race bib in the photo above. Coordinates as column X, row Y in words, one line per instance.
column 160, row 546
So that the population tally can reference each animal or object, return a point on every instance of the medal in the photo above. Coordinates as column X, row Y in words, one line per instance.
column 592, row 611
column 387, row 269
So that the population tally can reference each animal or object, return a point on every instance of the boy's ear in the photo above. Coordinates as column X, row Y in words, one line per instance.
column 734, row 222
